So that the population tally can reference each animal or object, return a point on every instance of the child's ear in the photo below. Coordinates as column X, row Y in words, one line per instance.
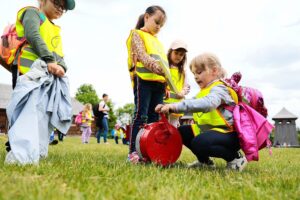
column 215, row 70
column 146, row 16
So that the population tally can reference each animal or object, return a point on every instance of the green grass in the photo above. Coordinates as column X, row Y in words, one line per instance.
column 77, row 171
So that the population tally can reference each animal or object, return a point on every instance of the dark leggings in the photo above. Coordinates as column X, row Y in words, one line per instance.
column 210, row 144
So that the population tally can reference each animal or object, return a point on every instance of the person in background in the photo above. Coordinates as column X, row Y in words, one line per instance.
column 86, row 124
column 103, row 108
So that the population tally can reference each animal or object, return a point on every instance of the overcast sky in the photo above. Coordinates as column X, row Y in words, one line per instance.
column 259, row 38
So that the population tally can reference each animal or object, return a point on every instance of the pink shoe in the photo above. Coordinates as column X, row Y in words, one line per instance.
column 133, row 158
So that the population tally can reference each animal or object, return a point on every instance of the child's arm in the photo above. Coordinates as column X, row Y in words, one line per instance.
column 217, row 96
column 31, row 22
column 139, row 50
column 186, row 88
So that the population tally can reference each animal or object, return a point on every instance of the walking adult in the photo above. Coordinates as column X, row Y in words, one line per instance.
column 103, row 119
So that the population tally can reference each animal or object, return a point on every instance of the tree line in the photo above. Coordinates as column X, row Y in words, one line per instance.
column 123, row 115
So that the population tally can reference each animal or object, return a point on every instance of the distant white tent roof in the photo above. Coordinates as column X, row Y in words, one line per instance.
column 285, row 114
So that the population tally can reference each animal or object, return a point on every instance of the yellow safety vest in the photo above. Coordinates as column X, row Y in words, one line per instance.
column 49, row 32
column 212, row 120
column 86, row 118
column 153, row 48
column 179, row 82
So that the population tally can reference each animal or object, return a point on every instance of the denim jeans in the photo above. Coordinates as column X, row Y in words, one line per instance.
column 103, row 130
column 147, row 95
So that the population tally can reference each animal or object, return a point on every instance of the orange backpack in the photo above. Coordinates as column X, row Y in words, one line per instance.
column 9, row 44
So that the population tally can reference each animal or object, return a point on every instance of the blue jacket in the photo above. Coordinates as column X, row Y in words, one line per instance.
column 39, row 102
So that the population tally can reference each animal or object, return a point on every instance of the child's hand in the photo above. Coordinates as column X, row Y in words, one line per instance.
column 56, row 69
column 157, row 69
column 160, row 108
column 180, row 95
column 167, row 94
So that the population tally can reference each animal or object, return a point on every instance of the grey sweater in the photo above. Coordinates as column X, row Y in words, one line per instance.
column 218, row 95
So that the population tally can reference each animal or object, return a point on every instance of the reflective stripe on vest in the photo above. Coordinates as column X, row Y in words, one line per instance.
column 179, row 82
column 213, row 120
column 50, row 34
column 154, row 49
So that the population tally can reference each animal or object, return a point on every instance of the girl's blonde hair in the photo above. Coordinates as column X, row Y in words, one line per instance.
column 207, row 61
column 87, row 108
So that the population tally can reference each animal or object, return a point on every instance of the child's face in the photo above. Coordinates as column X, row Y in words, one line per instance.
column 51, row 10
column 177, row 56
column 204, row 76
column 154, row 22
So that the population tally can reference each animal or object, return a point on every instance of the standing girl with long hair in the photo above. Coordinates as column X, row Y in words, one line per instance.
column 144, row 52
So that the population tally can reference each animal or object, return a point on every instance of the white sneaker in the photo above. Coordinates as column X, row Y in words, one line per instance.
column 197, row 164
column 237, row 164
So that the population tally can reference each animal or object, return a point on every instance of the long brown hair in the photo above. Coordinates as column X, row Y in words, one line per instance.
column 151, row 11
column 179, row 65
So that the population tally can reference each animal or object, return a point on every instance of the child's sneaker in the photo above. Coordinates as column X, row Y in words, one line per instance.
column 197, row 164
column 237, row 164
column 134, row 158
column 7, row 146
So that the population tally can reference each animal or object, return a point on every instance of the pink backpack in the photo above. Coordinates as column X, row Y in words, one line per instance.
column 9, row 44
column 250, row 96
column 78, row 119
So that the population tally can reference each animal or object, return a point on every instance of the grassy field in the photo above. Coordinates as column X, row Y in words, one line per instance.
column 91, row 171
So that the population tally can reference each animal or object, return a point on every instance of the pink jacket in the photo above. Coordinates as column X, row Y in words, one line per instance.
column 253, row 130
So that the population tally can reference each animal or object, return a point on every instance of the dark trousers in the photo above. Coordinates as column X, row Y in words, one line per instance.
column 210, row 144
column 117, row 139
column 60, row 135
column 147, row 95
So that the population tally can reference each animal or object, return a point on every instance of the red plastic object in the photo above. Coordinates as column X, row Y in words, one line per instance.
column 159, row 142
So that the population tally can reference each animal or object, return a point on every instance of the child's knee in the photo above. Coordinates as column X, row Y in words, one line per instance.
column 200, row 144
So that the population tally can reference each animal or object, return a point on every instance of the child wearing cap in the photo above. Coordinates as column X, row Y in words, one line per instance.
column 177, row 61
column 43, row 39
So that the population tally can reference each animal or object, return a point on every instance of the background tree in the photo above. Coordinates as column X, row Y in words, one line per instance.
column 125, row 113
column 87, row 94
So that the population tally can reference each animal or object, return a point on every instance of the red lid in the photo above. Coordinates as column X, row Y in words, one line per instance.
column 160, row 142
